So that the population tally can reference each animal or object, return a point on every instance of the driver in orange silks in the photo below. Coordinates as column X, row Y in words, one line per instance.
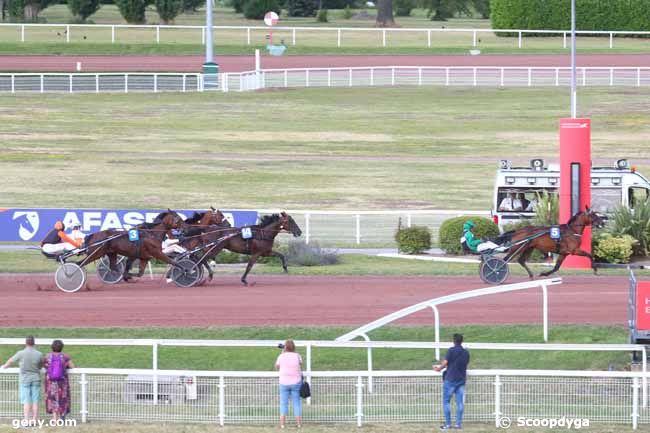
column 57, row 242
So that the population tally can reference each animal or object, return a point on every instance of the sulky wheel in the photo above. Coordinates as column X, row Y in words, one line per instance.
column 107, row 275
column 186, row 273
column 494, row 270
column 70, row 277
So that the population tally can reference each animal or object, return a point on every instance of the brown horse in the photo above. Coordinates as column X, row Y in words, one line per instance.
column 540, row 239
column 145, row 248
column 260, row 244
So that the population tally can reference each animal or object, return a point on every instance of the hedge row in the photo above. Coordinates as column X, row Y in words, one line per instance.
column 631, row 15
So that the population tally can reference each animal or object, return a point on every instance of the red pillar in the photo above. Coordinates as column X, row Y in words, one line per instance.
column 575, row 157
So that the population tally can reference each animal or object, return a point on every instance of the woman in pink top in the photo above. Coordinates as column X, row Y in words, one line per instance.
column 289, row 363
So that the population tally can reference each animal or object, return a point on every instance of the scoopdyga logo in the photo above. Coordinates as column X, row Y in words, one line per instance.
column 27, row 224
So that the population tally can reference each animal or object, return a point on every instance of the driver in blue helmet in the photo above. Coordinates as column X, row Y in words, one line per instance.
column 474, row 244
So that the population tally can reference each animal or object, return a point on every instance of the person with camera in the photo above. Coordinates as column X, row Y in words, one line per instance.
column 289, row 363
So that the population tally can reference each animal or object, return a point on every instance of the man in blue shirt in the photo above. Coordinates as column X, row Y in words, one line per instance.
column 455, row 362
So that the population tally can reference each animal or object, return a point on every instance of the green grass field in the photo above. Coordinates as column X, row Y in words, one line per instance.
column 262, row 359
column 350, row 149
column 97, row 40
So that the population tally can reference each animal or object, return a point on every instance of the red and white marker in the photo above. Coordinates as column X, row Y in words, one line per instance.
column 271, row 19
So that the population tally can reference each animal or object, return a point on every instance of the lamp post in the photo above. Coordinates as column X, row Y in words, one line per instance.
column 210, row 68
column 574, row 95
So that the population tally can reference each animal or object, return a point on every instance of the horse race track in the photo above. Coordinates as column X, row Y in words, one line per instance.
column 276, row 300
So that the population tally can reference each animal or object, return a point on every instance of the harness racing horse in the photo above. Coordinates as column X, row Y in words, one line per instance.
column 540, row 239
column 261, row 242
column 145, row 248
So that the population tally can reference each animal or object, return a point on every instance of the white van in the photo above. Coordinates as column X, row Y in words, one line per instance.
column 610, row 187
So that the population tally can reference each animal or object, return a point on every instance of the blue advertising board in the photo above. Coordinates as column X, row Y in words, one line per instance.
column 32, row 224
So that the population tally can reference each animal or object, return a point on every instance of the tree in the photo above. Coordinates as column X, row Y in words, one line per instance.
column 168, row 10
column 302, row 8
column 482, row 7
column 132, row 10
column 255, row 9
column 192, row 5
column 442, row 10
column 27, row 10
column 385, row 14
column 83, row 8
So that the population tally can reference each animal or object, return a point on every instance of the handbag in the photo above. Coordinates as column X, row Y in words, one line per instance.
column 305, row 389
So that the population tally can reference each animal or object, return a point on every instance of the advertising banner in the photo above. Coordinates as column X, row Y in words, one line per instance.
column 643, row 305
column 32, row 224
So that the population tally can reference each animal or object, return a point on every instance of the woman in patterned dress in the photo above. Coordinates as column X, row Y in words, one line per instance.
column 57, row 392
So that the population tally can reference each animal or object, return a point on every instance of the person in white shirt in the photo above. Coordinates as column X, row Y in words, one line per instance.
column 510, row 203
column 532, row 205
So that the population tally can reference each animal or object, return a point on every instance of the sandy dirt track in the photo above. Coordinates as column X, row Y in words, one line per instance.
column 128, row 63
column 314, row 301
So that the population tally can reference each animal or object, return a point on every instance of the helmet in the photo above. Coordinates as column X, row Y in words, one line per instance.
column 469, row 224
column 59, row 225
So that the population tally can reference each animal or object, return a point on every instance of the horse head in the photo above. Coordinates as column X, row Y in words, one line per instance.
column 171, row 220
column 594, row 219
column 287, row 223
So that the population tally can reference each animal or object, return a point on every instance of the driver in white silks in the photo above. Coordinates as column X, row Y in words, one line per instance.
column 56, row 241
column 171, row 246
column 475, row 245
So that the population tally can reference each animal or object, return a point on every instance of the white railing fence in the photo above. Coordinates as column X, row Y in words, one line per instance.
column 473, row 76
column 316, row 36
column 100, row 82
column 226, row 397
column 468, row 76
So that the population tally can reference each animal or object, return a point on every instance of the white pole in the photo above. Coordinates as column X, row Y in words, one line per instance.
column 155, row 373
column 209, row 55
column 157, row 34
column 359, row 400
column 112, row 34
column 497, row 400
column 22, row 33
column 67, row 33
column 545, row 310
column 84, row 397
column 257, row 67
column 308, row 376
column 248, row 35
column 338, row 38
column 222, row 401
column 574, row 102
column 436, row 326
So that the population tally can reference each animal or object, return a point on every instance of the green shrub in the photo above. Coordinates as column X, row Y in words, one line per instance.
column 634, row 222
column 321, row 16
column 613, row 249
column 168, row 10
column 413, row 240
column 556, row 15
column 82, row 9
column 547, row 211
column 238, row 5
column 301, row 8
column 132, row 10
column 347, row 13
column 193, row 5
column 255, row 9
column 451, row 231
column 403, row 8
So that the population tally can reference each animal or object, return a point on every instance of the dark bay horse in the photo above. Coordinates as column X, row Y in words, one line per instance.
column 568, row 244
column 146, row 248
column 260, row 244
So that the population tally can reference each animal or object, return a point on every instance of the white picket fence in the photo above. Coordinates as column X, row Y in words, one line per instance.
column 249, row 35
column 495, row 397
column 472, row 76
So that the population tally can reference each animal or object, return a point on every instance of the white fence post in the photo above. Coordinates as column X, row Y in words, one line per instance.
column 155, row 83
column 70, row 83
column 519, row 39
column 429, row 38
column 545, row 310
column 497, row 401
column 67, row 33
column 502, row 73
column 635, row 403
column 286, row 78
column 358, row 231
column 22, row 33
column 563, row 39
column 338, row 38
column 113, row 34
column 359, row 401
column 408, row 220
column 307, row 227
column 13, row 83
column 308, row 376
column 184, row 88
column 42, row 84
column 329, row 78
column 84, row 398
column 383, row 37
column 126, row 83
column 474, row 38
column 611, row 40
column 293, row 37
column 436, row 329
column 155, row 372
column 157, row 34
column 638, row 77
column 202, row 35
column 248, row 35
column 392, row 76
column 96, row 83
column 222, row 401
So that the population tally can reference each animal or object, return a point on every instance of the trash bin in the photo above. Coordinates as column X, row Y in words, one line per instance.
column 210, row 76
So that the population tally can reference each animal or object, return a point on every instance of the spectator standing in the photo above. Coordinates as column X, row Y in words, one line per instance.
column 31, row 361
column 57, row 385
column 456, row 362
column 289, row 363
